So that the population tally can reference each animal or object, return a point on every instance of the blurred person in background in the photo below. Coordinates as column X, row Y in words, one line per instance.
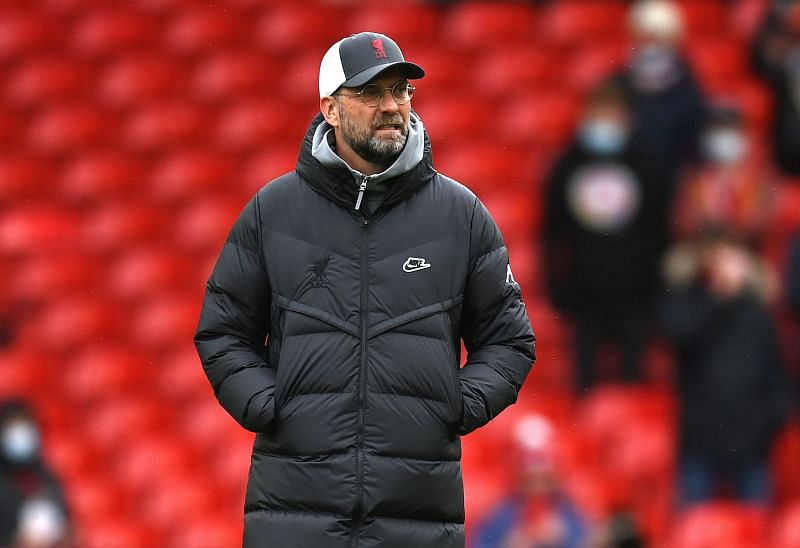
column 604, row 231
column 668, row 105
column 33, row 511
column 733, row 389
column 776, row 57
column 537, row 514
column 363, row 270
column 730, row 187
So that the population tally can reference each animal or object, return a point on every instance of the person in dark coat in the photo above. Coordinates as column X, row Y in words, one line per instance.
column 669, row 108
column 733, row 389
column 33, row 511
column 776, row 57
column 363, row 270
column 604, row 231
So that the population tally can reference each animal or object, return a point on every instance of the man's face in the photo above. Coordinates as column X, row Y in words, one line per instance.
column 377, row 134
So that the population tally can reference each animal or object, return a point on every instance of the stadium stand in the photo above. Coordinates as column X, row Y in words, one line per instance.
column 131, row 136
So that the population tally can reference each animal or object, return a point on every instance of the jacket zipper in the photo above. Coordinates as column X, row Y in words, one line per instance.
column 455, row 365
column 362, row 188
column 362, row 381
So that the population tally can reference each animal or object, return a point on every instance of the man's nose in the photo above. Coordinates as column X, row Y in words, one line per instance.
column 388, row 102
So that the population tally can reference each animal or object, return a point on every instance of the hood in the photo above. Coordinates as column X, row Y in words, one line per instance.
column 409, row 157
column 329, row 175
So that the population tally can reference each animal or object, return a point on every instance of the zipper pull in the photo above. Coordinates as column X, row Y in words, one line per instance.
column 361, row 189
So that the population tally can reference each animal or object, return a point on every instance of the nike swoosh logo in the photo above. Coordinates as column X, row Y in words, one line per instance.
column 413, row 264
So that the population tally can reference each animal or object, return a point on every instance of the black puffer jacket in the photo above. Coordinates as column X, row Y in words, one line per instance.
column 357, row 397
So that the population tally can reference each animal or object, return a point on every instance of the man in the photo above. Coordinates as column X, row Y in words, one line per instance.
column 363, row 269
column 668, row 106
column 603, row 233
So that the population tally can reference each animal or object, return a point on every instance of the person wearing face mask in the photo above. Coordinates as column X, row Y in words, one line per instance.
column 604, row 229
column 731, row 188
column 776, row 56
column 33, row 512
column 667, row 103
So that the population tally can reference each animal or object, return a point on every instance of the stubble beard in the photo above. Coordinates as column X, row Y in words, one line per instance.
column 376, row 150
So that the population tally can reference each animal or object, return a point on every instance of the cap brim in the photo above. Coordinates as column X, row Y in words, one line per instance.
column 411, row 70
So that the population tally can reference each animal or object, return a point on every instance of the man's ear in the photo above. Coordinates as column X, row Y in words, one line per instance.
column 330, row 110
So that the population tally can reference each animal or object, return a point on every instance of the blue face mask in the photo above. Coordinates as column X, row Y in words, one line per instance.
column 603, row 136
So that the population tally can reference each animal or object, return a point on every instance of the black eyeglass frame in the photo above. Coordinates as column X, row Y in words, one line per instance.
column 406, row 87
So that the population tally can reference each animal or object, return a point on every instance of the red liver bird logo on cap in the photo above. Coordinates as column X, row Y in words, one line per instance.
column 380, row 53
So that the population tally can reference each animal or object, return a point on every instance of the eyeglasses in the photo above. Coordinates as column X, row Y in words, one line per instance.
column 372, row 95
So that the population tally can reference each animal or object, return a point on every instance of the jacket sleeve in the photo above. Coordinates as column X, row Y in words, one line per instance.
column 234, row 323
column 495, row 328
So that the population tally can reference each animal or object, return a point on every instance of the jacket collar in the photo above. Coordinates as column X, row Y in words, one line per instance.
column 336, row 181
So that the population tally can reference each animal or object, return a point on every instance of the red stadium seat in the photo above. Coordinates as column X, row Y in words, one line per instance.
column 206, row 422
column 719, row 524
column 181, row 379
column 229, row 461
column 233, row 73
column 163, row 504
column 295, row 27
column 100, row 175
column 100, row 369
column 106, row 32
column 189, row 172
column 145, row 272
column 472, row 25
column 67, row 323
column 703, row 17
column 546, row 118
column 23, row 175
column 134, row 79
column 256, row 123
column 152, row 459
column 97, row 533
column 785, row 530
column 42, row 80
column 786, row 219
column 203, row 224
column 507, row 72
column 570, row 23
column 113, row 226
column 718, row 60
column 514, row 212
column 301, row 76
column 35, row 230
column 202, row 29
column 593, row 64
column 263, row 167
column 410, row 25
column 786, row 462
column 441, row 73
column 121, row 419
column 25, row 32
column 45, row 278
column 485, row 166
column 10, row 129
column 452, row 119
column 164, row 125
column 165, row 322
column 69, row 454
column 23, row 372
column 483, row 490
column 210, row 530
column 92, row 497
column 67, row 128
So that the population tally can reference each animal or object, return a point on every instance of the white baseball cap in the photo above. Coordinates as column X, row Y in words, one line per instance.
column 357, row 59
